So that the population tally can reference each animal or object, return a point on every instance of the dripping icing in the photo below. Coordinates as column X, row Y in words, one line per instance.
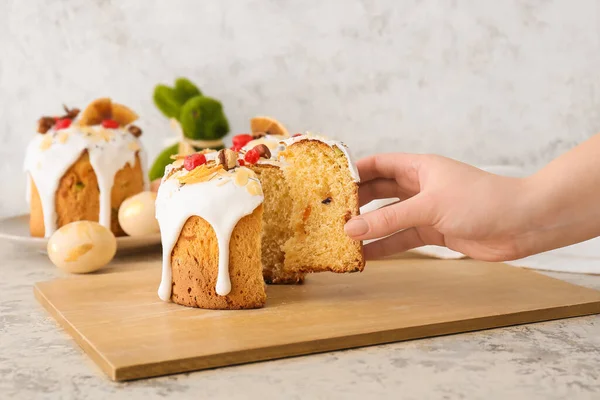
column 273, row 142
column 50, row 155
column 220, row 202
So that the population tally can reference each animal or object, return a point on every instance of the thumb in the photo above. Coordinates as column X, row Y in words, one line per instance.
column 415, row 211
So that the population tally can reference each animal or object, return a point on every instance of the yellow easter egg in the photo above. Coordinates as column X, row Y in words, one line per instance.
column 137, row 215
column 81, row 247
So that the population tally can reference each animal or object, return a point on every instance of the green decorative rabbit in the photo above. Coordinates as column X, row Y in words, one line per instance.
column 200, row 121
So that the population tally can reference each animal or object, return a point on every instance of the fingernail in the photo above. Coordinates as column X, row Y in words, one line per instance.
column 356, row 227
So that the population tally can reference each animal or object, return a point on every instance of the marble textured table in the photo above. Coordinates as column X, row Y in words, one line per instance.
column 550, row 360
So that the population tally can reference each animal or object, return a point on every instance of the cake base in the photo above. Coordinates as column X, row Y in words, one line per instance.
column 194, row 264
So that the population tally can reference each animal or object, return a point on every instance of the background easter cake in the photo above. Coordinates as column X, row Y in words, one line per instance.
column 83, row 166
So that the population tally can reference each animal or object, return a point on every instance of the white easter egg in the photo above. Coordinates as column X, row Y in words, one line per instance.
column 81, row 247
column 137, row 215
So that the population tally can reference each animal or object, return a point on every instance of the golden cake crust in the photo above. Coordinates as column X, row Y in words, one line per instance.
column 194, row 264
column 323, row 203
column 78, row 195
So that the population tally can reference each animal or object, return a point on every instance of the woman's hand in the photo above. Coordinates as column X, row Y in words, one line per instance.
column 482, row 215
column 447, row 203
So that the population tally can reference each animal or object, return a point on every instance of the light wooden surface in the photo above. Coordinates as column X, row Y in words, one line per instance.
column 119, row 321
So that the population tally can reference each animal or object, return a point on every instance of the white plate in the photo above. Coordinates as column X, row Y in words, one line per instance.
column 16, row 230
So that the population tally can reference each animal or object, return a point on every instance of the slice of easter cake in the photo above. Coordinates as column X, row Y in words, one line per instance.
column 323, row 184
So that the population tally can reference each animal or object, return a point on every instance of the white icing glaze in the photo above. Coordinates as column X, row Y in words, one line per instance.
column 332, row 143
column 49, row 156
column 273, row 142
column 219, row 201
column 212, row 156
column 272, row 162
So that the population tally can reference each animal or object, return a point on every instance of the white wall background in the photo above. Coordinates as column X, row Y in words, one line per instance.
column 484, row 81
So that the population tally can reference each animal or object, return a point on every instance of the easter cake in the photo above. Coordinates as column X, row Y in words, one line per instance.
column 209, row 209
column 300, row 191
column 82, row 166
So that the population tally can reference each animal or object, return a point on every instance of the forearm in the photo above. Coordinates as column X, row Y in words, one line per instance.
column 565, row 206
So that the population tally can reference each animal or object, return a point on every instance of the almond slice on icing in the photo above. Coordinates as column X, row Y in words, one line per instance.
column 46, row 142
column 241, row 176
column 268, row 125
column 133, row 146
column 254, row 188
column 62, row 137
column 200, row 174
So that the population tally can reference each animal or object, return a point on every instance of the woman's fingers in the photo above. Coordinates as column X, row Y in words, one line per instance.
column 403, row 168
column 397, row 243
column 414, row 212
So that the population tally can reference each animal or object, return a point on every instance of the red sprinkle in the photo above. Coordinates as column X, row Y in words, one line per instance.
column 56, row 119
column 241, row 162
column 194, row 160
column 62, row 123
column 240, row 141
column 110, row 124
column 297, row 134
column 252, row 156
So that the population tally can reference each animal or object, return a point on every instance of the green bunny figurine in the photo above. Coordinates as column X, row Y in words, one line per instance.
column 201, row 120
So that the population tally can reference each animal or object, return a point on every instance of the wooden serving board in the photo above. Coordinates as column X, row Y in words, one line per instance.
column 119, row 321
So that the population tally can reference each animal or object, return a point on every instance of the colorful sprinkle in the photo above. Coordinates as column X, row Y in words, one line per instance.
column 194, row 160
column 110, row 124
column 240, row 141
column 62, row 123
column 252, row 156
